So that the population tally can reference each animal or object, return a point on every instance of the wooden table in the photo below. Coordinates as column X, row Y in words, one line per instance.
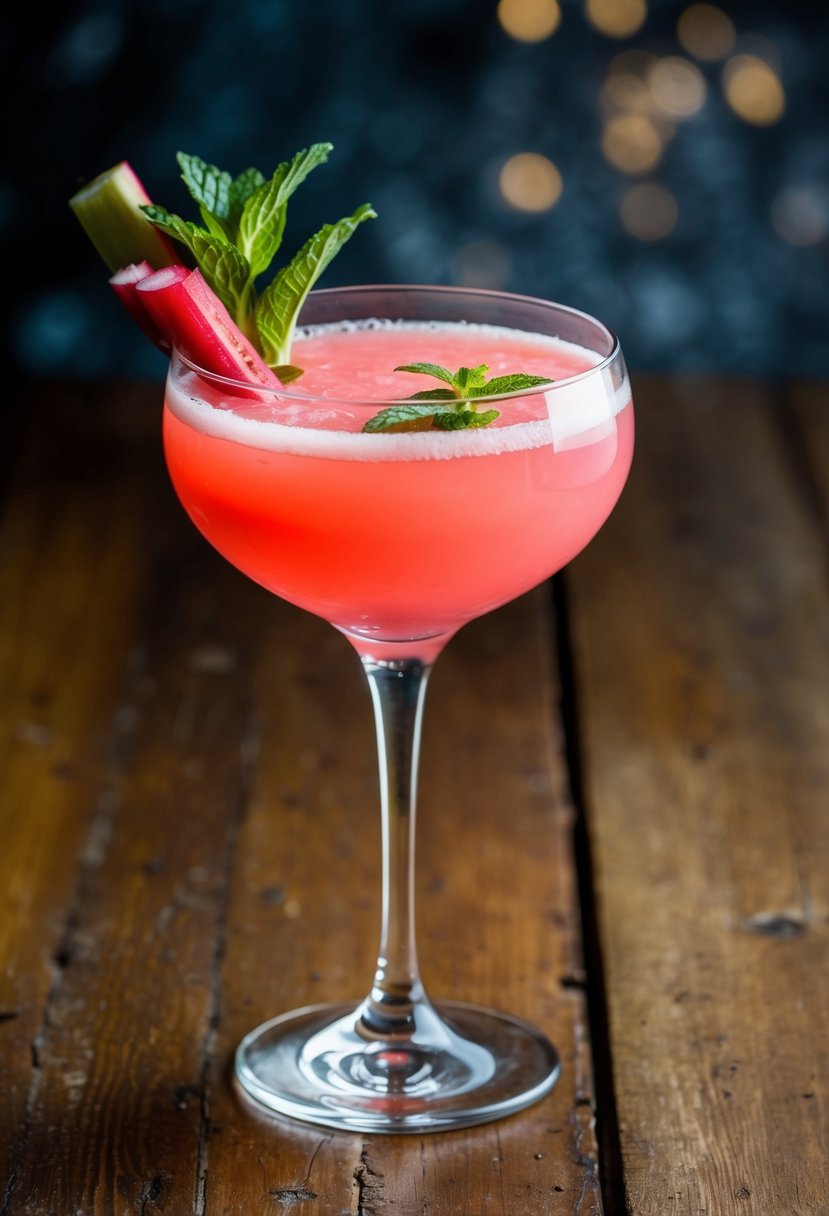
column 623, row 837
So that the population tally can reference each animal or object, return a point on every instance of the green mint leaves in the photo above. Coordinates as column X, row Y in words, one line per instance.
column 452, row 408
column 243, row 222
column 280, row 303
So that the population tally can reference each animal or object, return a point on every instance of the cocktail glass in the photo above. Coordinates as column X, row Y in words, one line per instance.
column 398, row 540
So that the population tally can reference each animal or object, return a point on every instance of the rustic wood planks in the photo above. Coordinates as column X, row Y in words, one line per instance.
column 701, row 622
column 191, row 845
column 190, row 839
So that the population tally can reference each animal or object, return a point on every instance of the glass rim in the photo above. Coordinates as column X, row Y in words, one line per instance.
column 483, row 293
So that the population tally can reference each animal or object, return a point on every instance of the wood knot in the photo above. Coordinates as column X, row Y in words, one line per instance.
column 776, row 924
column 153, row 1190
column 287, row 1196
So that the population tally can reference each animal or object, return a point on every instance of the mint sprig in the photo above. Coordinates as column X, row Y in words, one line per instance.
column 280, row 303
column 452, row 408
column 243, row 223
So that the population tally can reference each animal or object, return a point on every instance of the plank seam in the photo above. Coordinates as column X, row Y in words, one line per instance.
column 249, row 747
column 611, row 1173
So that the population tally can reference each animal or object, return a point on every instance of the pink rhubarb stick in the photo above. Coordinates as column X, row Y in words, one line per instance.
column 193, row 318
column 124, row 284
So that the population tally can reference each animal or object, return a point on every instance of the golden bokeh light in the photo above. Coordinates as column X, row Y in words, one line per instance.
column 617, row 18
column 677, row 87
column 632, row 143
column 481, row 264
column 530, row 182
column 626, row 86
column 624, row 91
column 706, row 32
column 648, row 211
column 800, row 216
column 753, row 90
column 529, row 20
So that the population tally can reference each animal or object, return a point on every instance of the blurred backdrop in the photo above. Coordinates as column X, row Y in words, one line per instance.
column 662, row 164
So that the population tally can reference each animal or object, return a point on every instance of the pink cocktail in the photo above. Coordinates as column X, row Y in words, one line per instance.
column 398, row 539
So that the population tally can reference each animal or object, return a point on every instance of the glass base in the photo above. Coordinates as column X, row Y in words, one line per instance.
column 463, row 1065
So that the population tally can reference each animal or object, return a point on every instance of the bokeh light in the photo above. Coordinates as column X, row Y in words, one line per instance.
column 626, row 85
column 88, row 49
column 677, row 87
column 632, row 143
column 648, row 211
column 617, row 18
column 529, row 20
column 753, row 90
column 530, row 182
column 800, row 216
column 706, row 32
column 52, row 328
column 723, row 210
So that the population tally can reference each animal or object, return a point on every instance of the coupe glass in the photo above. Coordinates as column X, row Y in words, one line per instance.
column 411, row 542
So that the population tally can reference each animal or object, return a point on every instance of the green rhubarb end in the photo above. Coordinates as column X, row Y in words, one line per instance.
column 108, row 209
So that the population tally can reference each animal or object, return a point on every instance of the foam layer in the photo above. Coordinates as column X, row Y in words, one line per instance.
column 580, row 409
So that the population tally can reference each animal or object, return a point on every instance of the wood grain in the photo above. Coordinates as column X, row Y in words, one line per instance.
column 66, row 628
column 497, row 919
column 701, row 622
column 191, row 845
column 114, row 1117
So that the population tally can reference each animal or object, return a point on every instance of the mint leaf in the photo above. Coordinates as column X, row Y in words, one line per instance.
column 403, row 418
column 508, row 384
column 468, row 384
column 209, row 186
column 243, row 222
column 262, row 222
column 213, row 226
column 468, row 378
column 174, row 225
column 241, row 188
column 483, row 419
column 434, row 394
column 451, row 421
column 278, row 307
column 286, row 373
column 228, row 274
column 225, row 268
column 428, row 369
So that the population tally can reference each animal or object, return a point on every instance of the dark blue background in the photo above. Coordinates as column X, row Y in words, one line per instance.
column 424, row 100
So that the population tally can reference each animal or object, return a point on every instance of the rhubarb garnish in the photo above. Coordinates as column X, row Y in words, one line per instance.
column 125, row 283
column 220, row 318
column 194, row 320
column 109, row 208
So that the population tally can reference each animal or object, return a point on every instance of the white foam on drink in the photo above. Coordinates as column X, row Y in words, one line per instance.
column 389, row 324
column 583, row 403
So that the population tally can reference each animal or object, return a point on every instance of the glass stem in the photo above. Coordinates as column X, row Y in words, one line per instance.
column 398, row 689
